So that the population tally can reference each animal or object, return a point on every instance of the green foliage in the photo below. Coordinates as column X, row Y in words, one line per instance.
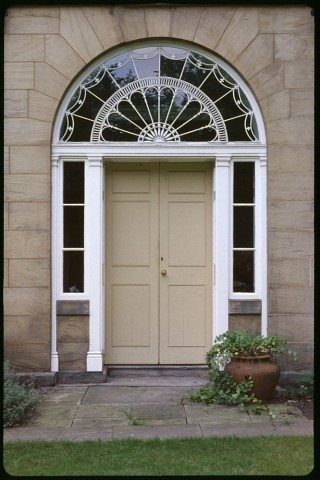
column 233, row 343
column 302, row 388
column 255, row 456
column 19, row 401
column 222, row 388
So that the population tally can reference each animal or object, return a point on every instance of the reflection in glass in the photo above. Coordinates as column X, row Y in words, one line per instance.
column 243, row 271
column 159, row 83
column 243, row 182
column 243, row 227
column 73, row 227
column 73, row 271
column 73, row 184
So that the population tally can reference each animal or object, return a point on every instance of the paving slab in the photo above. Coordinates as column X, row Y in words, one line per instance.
column 157, row 431
column 120, row 394
column 103, row 411
column 144, row 409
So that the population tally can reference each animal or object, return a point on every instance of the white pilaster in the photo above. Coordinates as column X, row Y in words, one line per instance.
column 221, row 243
column 55, row 198
column 94, row 260
column 263, row 246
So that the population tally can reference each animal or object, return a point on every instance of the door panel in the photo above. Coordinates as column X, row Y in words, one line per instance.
column 158, row 218
column 185, row 251
column 132, row 258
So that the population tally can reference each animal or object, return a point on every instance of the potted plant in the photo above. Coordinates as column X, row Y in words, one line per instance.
column 247, row 356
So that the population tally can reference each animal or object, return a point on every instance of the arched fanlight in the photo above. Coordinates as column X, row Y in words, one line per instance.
column 159, row 94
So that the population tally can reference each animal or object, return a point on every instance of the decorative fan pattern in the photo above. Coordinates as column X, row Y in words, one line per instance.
column 158, row 94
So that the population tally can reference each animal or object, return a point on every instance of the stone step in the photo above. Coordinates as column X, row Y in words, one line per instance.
column 157, row 370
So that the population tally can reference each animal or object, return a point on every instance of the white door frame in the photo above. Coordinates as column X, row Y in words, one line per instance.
column 94, row 157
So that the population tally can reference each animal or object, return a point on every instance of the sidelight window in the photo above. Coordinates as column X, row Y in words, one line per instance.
column 244, row 227
column 73, row 227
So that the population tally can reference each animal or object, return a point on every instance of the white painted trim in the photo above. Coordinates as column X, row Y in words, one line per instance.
column 176, row 43
column 136, row 151
column 94, row 241
column 55, row 196
column 221, row 243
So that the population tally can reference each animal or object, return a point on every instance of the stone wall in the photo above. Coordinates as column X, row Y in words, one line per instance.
column 47, row 47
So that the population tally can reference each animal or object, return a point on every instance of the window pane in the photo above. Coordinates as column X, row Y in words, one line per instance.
column 73, row 184
column 73, row 271
column 243, row 183
column 243, row 271
column 243, row 224
column 73, row 227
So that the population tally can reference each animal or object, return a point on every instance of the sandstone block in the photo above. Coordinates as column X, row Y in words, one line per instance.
column 29, row 216
column 132, row 22
column 24, row 131
column 258, row 55
column 290, row 158
column 211, row 26
column 16, row 103
column 291, row 272
column 269, row 80
column 29, row 272
column 286, row 19
column 294, row 300
column 49, row 81
column 240, row 32
column 290, row 47
column 290, row 186
column 26, row 301
column 38, row 19
column 27, row 188
column 19, row 75
column 73, row 329
column 6, row 216
column 41, row 107
column 32, row 329
column 30, row 159
column 28, row 357
column 290, row 243
column 245, row 323
column 5, row 272
column 299, row 75
column 292, row 327
column 24, row 48
column 25, row 244
column 290, row 214
column 61, row 56
column 77, row 31
column 72, row 356
column 305, row 352
column 6, row 160
column 105, row 24
column 158, row 21
column 182, row 17
column 276, row 106
column 302, row 103
column 292, row 130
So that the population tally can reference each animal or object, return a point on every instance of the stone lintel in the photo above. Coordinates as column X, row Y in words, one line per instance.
column 73, row 307
column 241, row 307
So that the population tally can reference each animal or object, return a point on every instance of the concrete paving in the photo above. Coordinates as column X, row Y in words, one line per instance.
column 147, row 407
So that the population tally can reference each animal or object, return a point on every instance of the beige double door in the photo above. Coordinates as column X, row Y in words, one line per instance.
column 158, row 263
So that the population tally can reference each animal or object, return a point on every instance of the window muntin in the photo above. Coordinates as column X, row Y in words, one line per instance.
column 73, row 227
column 159, row 94
column 244, row 227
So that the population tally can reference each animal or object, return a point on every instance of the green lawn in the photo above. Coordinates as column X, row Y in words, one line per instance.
column 212, row 456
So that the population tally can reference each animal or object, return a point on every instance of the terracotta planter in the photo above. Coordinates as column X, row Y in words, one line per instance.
column 264, row 373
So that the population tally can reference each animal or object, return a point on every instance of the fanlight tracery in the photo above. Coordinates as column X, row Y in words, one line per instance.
column 159, row 94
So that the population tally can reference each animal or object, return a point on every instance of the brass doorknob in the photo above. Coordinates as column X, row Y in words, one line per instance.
column 163, row 273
